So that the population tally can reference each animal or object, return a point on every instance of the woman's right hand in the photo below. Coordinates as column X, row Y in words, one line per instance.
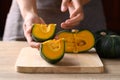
column 29, row 20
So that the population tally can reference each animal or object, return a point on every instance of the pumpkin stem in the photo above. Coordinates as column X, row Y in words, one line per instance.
column 103, row 33
column 75, row 30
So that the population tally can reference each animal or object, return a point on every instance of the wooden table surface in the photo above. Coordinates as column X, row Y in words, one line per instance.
column 9, row 52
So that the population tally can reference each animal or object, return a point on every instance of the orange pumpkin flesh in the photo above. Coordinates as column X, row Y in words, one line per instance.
column 77, row 41
column 43, row 32
column 53, row 50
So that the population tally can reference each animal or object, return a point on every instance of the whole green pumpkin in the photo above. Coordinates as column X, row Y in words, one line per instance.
column 108, row 46
column 104, row 32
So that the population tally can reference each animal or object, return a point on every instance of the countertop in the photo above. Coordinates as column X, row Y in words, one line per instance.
column 9, row 52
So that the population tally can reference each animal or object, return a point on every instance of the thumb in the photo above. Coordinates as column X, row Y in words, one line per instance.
column 41, row 21
column 64, row 5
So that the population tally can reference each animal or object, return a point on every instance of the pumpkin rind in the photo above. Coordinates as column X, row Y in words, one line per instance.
column 108, row 46
column 43, row 32
column 53, row 50
column 78, row 41
column 100, row 33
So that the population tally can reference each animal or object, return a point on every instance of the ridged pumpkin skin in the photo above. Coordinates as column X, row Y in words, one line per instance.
column 100, row 33
column 78, row 41
column 53, row 50
column 108, row 46
column 43, row 32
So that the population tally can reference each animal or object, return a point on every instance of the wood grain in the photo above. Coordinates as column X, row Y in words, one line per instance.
column 9, row 52
column 30, row 61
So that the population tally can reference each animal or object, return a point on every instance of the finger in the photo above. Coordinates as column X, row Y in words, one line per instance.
column 76, row 12
column 64, row 5
column 75, row 19
column 76, row 3
column 34, row 44
column 31, row 42
column 27, row 33
column 66, row 26
column 75, row 8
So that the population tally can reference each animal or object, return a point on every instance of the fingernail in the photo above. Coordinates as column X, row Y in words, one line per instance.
column 64, row 8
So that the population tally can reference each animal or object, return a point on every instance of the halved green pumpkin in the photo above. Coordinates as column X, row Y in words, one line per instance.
column 53, row 50
column 43, row 32
column 77, row 41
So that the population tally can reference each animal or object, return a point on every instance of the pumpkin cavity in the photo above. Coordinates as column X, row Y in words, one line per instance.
column 77, row 41
column 53, row 50
column 43, row 32
column 54, row 45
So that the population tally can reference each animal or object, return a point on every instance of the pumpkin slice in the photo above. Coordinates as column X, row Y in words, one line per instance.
column 43, row 32
column 77, row 41
column 53, row 50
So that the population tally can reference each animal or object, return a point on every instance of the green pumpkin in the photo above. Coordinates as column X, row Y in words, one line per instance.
column 104, row 32
column 43, row 32
column 77, row 41
column 52, row 51
column 108, row 46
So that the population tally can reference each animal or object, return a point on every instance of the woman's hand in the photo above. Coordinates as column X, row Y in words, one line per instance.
column 29, row 20
column 75, row 10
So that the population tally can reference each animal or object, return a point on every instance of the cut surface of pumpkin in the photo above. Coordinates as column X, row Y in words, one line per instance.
column 53, row 50
column 77, row 41
column 43, row 32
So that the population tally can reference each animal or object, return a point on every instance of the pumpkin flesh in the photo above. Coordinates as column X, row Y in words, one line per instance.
column 53, row 50
column 77, row 41
column 69, row 41
column 84, row 41
column 43, row 32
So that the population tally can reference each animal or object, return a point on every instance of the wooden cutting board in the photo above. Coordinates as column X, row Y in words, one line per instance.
column 30, row 61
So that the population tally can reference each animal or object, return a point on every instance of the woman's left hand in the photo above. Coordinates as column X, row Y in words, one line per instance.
column 75, row 11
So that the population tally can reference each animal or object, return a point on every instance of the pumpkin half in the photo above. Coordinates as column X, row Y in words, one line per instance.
column 77, row 41
column 43, row 32
column 53, row 50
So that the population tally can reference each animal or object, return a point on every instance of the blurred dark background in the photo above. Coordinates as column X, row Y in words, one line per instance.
column 111, row 11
